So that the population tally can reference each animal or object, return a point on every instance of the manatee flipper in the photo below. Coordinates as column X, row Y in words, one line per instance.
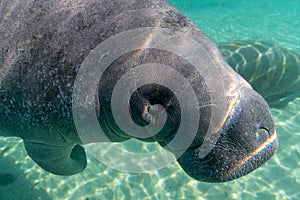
column 59, row 160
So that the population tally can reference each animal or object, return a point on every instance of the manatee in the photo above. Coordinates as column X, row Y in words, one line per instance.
column 44, row 45
column 272, row 71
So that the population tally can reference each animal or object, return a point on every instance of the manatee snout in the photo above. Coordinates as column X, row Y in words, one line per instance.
column 246, row 141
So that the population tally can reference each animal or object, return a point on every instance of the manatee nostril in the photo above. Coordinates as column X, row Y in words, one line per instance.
column 266, row 129
column 262, row 133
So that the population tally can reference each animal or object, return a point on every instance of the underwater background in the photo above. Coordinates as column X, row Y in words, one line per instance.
column 276, row 22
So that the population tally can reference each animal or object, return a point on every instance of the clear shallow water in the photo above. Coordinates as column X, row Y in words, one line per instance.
column 276, row 22
column 272, row 21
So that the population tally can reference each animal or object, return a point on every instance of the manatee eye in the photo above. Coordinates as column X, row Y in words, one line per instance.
column 146, row 112
column 262, row 134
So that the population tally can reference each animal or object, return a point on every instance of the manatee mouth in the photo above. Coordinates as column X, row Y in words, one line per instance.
column 252, row 160
column 225, row 162
column 245, row 142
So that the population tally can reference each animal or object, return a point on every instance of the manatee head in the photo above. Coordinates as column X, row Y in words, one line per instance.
column 245, row 142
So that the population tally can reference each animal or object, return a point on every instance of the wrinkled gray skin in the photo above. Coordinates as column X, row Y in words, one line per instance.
column 274, row 72
column 43, row 44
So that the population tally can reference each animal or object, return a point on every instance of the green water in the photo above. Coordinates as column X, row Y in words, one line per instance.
column 222, row 20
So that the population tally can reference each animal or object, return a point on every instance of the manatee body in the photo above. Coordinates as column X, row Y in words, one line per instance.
column 43, row 45
column 271, row 70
